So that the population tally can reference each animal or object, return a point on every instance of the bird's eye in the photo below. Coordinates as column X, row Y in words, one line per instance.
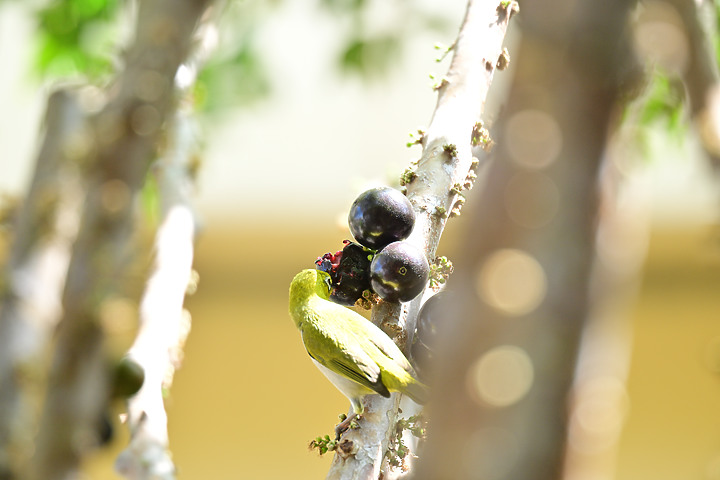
column 328, row 282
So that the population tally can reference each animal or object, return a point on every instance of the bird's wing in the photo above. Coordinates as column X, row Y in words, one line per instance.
column 340, row 351
column 379, row 339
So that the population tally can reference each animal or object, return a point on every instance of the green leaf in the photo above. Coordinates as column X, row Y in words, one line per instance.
column 343, row 5
column 76, row 37
column 150, row 200
column 663, row 103
column 370, row 56
column 239, row 79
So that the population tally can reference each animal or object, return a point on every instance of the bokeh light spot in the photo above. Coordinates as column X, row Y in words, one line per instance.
column 118, row 314
column 77, row 145
column 600, row 408
column 534, row 139
column 512, row 282
column 114, row 195
column 108, row 127
column 145, row 120
column 659, row 37
column 501, row 377
column 92, row 99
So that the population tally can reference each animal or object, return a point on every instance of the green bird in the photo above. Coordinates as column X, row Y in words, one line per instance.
column 353, row 353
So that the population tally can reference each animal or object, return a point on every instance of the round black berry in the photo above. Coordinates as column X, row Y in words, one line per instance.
column 399, row 272
column 381, row 216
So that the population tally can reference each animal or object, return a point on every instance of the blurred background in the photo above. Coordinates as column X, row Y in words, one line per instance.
column 282, row 166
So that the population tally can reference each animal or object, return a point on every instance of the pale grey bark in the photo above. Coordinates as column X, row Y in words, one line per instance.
column 34, row 274
column 123, row 142
column 164, row 324
column 461, row 98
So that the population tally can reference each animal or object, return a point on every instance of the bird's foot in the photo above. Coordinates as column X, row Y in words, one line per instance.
column 346, row 424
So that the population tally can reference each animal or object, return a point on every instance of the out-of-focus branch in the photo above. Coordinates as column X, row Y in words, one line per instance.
column 599, row 401
column 507, row 356
column 443, row 169
column 701, row 77
column 123, row 143
column 35, row 272
column 164, row 324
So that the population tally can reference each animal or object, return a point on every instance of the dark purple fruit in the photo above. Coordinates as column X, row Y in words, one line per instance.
column 349, row 271
column 381, row 216
column 399, row 272
column 352, row 274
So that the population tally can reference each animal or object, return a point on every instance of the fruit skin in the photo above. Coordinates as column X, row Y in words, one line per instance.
column 399, row 272
column 380, row 216
column 353, row 275
column 352, row 352
column 349, row 270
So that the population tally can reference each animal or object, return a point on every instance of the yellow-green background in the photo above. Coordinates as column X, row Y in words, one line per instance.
column 247, row 399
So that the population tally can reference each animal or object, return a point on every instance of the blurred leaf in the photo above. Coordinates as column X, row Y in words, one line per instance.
column 370, row 56
column 716, row 32
column 660, row 109
column 76, row 38
column 343, row 5
column 237, row 80
column 150, row 201
column 664, row 102
column 436, row 23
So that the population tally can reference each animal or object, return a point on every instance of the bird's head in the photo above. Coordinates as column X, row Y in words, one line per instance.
column 309, row 282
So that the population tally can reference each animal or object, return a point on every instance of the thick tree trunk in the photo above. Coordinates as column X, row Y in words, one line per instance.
column 506, row 362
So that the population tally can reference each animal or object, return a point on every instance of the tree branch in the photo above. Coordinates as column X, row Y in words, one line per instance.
column 35, row 272
column 164, row 324
column 461, row 98
column 124, row 136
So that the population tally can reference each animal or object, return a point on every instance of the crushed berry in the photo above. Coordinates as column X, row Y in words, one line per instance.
column 349, row 271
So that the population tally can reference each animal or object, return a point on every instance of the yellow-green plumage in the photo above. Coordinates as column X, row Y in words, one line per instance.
column 355, row 355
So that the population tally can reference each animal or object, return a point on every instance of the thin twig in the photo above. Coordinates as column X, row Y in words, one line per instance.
column 461, row 99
